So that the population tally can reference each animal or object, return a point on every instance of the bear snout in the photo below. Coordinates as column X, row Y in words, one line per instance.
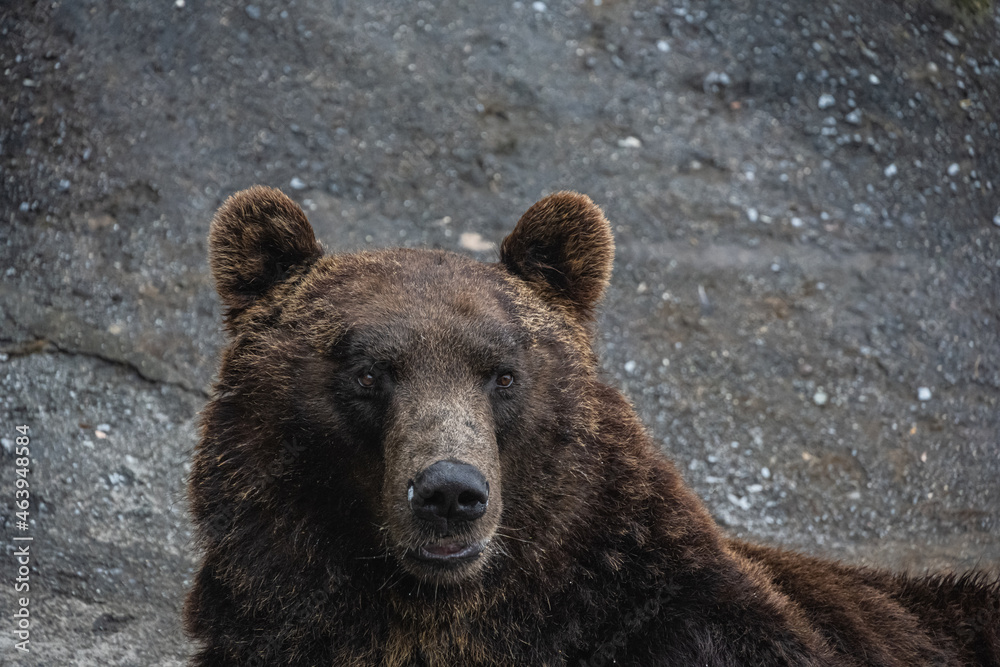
column 448, row 493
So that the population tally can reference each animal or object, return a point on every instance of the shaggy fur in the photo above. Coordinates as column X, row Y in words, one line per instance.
column 346, row 377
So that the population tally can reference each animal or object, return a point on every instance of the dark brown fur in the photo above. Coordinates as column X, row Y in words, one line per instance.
column 594, row 550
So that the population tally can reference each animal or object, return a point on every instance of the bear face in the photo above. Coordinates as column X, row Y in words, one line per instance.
column 422, row 418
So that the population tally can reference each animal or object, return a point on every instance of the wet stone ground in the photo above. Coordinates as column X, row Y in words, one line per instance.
column 805, row 308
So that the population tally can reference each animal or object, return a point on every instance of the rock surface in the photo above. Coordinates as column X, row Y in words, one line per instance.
column 805, row 205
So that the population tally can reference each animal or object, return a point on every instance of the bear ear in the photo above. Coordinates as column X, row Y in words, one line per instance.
column 257, row 237
column 563, row 246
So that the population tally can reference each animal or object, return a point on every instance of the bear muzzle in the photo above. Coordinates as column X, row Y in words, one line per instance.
column 448, row 498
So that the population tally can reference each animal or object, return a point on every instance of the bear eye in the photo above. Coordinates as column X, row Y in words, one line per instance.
column 367, row 379
column 505, row 380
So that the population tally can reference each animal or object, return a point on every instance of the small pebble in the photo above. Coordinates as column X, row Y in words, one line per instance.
column 752, row 214
column 539, row 7
column 755, row 488
column 474, row 241
column 820, row 397
column 253, row 11
column 854, row 118
column 891, row 170
column 714, row 78
column 706, row 305
column 872, row 79
column 996, row 219
column 797, row 222
column 826, row 101
column 765, row 472
column 949, row 37
column 629, row 142
column 923, row 394
column 630, row 366
column 297, row 183
column 953, row 169
column 742, row 503
column 663, row 46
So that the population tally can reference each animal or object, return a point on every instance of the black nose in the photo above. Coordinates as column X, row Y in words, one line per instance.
column 447, row 492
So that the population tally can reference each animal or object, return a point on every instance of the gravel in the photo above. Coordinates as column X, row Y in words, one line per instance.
column 705, row 129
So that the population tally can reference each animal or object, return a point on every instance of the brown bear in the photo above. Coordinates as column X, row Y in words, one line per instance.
column 409, row 459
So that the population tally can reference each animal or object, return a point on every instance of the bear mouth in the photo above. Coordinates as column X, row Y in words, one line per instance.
column 447, row 554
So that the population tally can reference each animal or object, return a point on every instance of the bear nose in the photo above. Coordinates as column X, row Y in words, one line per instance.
column 449, row 491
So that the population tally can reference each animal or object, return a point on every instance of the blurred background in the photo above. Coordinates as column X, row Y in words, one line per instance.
column 805, row 306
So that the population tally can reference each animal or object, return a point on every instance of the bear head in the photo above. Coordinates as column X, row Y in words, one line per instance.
column 399, row 408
